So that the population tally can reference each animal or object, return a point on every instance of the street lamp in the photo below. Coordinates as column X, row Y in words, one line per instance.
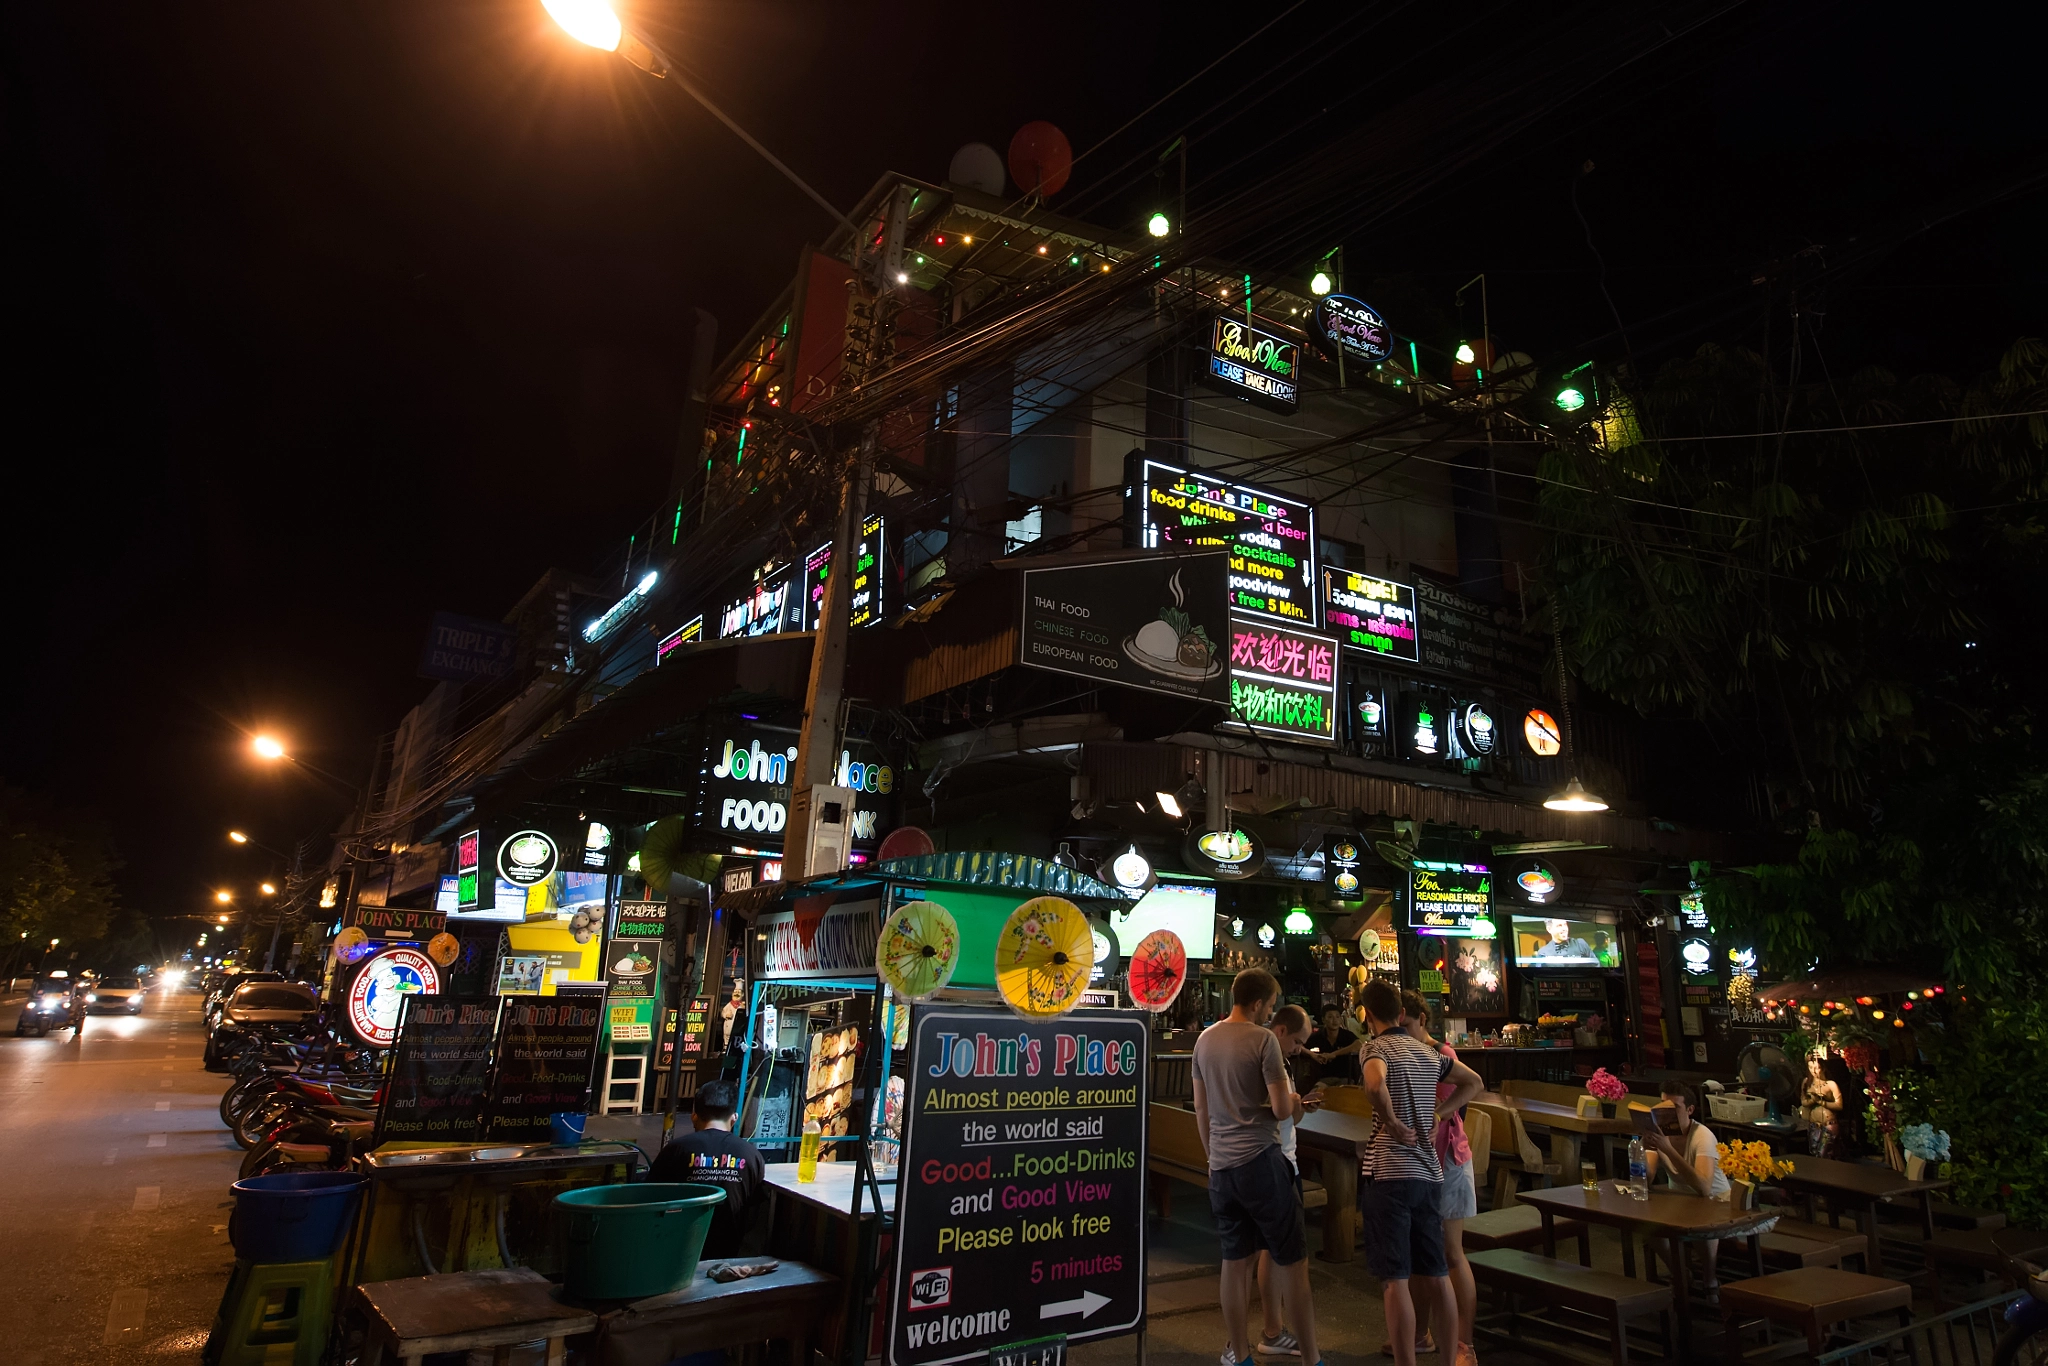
column 596, row 24
column 223, row 896
column 270, row 889
column 238, row 837
column 268, row 747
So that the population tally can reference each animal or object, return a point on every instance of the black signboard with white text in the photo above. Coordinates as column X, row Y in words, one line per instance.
column 547, row 1046
column 1472, row 640
column 1254, row 365
column 1353, row 327
column 1021, row 1208
column 1154, row 622
column 440, row 1070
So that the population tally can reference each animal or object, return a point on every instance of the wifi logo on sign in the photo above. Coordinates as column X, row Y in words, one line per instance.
column 931, row 1289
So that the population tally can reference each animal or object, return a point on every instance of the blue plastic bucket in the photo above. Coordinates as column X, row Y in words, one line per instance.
column 292, row 1217
column 567, row 1127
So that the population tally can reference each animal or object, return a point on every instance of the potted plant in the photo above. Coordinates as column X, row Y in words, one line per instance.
column 1611, row 1090
column 1747, row 1166
column 1925, row 1146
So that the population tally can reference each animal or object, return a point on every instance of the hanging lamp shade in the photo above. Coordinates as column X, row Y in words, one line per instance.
column 1574, row 798
column 1044, row 955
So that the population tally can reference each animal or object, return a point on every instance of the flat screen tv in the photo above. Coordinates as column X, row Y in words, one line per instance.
column 1560, row 942
column 1188, row 909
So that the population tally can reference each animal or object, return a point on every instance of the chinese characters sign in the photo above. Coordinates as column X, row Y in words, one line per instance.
column 1374, row 615
column 1283, row 682
column 1271, row 539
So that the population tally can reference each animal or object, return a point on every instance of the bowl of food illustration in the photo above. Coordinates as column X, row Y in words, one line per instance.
column 1174, row 647
column 633, row 965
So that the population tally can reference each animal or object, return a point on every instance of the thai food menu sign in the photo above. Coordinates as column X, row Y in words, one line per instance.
column 1372, row 615
column 1153, row 622
column 1021, row 1192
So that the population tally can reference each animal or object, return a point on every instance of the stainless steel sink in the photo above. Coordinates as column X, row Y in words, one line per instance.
column 498, row 1154
column 423, row 1157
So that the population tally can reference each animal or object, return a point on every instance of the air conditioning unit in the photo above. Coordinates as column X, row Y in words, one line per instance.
column 821, row 826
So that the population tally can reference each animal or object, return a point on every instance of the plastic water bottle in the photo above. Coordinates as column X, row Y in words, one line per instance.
column 1638, row 1170
column 807, row 1153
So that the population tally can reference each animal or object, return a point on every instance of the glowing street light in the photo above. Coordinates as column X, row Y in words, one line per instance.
column 267, row 747
column 1159, row 225
column 223, row 896
column 238, row 837
column 588, row 21
column 270, row 889
column 1465, row 353
column 1320, row 283
column 1570, row 399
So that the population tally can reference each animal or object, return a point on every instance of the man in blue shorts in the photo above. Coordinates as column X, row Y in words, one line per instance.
column 1403, row 1179
column 1241, row 1095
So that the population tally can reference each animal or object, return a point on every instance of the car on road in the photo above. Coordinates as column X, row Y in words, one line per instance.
column 270, row 1003
column 48, row 1006
column 117, row 993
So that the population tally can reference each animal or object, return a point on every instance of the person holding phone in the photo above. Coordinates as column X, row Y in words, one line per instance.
column 1291, row 1030
column 1686, row 1151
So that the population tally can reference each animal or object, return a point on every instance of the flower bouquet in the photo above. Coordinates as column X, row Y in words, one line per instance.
column 1747, row 1166
column 1925, row 1146
column 1611, row 1090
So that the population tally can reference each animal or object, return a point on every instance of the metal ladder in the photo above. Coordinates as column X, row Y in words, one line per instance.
column 635, row 1080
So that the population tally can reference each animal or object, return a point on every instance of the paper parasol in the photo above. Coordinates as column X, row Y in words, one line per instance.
column 919, row 948
column 1159, row 965
column 1044, row 955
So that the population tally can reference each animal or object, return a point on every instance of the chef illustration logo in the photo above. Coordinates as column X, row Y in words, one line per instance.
column 931, row 1289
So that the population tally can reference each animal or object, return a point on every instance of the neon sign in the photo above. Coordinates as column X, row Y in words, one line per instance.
column 690, row 632
column 1283, row 682
column 1255, row 366
column 1375, row 615
column 1353, row 327
column 1271, row 538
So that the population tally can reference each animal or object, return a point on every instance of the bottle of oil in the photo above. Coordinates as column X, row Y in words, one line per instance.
column 807, row 1154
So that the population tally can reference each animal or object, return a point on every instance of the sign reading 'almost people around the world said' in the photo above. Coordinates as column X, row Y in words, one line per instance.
column 1021, row 1203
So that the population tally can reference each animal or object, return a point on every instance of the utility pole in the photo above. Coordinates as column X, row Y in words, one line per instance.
column 818, row 741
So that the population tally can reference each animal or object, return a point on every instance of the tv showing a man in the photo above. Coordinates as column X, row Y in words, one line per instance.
column 1553, row 942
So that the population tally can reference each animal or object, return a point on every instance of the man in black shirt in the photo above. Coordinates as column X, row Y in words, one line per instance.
column 714, row 1156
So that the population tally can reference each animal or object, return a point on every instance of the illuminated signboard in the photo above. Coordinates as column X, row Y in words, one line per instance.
column 1271, row 538
column 1353, row 327
column 768, row 607
column 870, row 561
column 1255, row 366
column 1371, row 614
column 690, row 632
column 1283, row 682
column 1449, row 898
column 468, row 860
column 623, row 608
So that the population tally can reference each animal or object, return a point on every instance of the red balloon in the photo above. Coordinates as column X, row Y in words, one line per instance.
column 1041, row 158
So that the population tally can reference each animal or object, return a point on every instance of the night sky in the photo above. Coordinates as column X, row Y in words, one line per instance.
column 328, row 316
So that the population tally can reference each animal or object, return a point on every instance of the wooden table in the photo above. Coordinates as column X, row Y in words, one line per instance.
column 460, row 1310
column 1859, row 1185
column 1666, row 1217
column 1568, row 1128
column 705, row 1314
column 1340, row 1140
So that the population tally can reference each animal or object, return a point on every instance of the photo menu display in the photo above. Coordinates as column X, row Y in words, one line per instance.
column 1271, row 537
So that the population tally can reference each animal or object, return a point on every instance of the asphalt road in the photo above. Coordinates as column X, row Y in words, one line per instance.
column 114, row 1173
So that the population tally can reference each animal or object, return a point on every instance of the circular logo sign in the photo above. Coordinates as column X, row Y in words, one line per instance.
column 527, row 858
column 1534, row 882
column 381, row 987
column 1130, row 871
column 1476, row 730
column 1542, row 733
column 1231, row 855
column 1697, row 956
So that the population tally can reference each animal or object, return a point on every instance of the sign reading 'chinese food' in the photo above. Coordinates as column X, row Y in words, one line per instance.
column 1270, row 538
column 1283, row 682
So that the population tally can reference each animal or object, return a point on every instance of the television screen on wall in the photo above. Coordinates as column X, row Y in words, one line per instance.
column 1188, row 909
column 1560, row 942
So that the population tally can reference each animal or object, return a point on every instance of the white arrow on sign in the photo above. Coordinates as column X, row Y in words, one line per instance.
column 1086, row 1305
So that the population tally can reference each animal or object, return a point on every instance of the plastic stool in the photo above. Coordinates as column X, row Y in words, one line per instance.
column 273, row 1314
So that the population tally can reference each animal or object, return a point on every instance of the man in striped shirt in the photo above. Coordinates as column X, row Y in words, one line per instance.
column 1403, row 1178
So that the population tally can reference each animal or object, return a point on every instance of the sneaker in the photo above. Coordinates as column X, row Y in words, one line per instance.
column 1465, row 1355
column 1281, row 1344
column 1229, row 1357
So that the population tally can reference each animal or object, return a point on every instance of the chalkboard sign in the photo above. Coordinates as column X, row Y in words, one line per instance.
column 440, row 1070
column 1472, row 640
column 1021, row 1208
column 546, row 1046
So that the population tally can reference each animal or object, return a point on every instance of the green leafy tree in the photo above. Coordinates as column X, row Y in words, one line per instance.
column 56, row 879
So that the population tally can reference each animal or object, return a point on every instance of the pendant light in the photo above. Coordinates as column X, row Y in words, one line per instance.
column 1575, row 797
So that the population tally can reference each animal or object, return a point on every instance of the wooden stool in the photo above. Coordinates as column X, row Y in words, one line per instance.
column 1784, row 1252
column 1521, row 1226
column 1811, row 1299
column 466, row 1309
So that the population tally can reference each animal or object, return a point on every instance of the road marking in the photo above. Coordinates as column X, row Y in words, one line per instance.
column 163, row 1105
column 167, row 1083
column 167, row 1069
column 147, row 1198
column 128, row 1311
column 112, row 1153
column 159, row 1140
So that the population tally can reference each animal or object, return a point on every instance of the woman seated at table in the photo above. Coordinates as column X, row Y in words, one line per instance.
column 1687, row 1152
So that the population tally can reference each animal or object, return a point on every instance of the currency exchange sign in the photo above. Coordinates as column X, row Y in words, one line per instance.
column 1021, row 1196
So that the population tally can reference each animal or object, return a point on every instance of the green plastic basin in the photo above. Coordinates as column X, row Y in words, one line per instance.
column 630, row 1242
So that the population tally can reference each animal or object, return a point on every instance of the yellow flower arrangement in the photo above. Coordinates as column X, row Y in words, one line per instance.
column 1751, row 1162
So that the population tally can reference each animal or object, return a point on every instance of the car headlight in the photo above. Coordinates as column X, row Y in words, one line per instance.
column 90, row 998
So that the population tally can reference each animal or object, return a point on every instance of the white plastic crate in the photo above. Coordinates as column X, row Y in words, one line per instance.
column 1736, row 1107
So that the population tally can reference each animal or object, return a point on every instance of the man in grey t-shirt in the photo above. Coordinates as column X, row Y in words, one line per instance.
column 1241, row 1094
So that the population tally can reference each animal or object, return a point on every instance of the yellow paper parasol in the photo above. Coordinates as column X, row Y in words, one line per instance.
column 919, row 948
column 1159, row 965
column 1044, row 954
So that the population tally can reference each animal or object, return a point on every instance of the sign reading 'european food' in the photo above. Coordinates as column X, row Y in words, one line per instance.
column 1154, row 622
column 1255, row 366
column 1271, row 539
column 1021, row 1204
column 1283, row 682
column 1371, row 614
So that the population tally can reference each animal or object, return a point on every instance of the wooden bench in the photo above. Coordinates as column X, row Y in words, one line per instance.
column 1173, row 1149
column 1521, row 1226
column 463, row 1310
column 1986, row 1250
column 1812, row 1299
column 1616, row 1300
column 1853, row 1244
column 1945, row 1215
column 1555, row 1094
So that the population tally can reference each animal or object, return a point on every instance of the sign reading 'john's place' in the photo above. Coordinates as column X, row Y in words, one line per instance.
column 1021, row 1203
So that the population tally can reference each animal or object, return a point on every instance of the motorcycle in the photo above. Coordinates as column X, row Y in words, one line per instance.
column 44, row 1011
column 2025, row 1339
